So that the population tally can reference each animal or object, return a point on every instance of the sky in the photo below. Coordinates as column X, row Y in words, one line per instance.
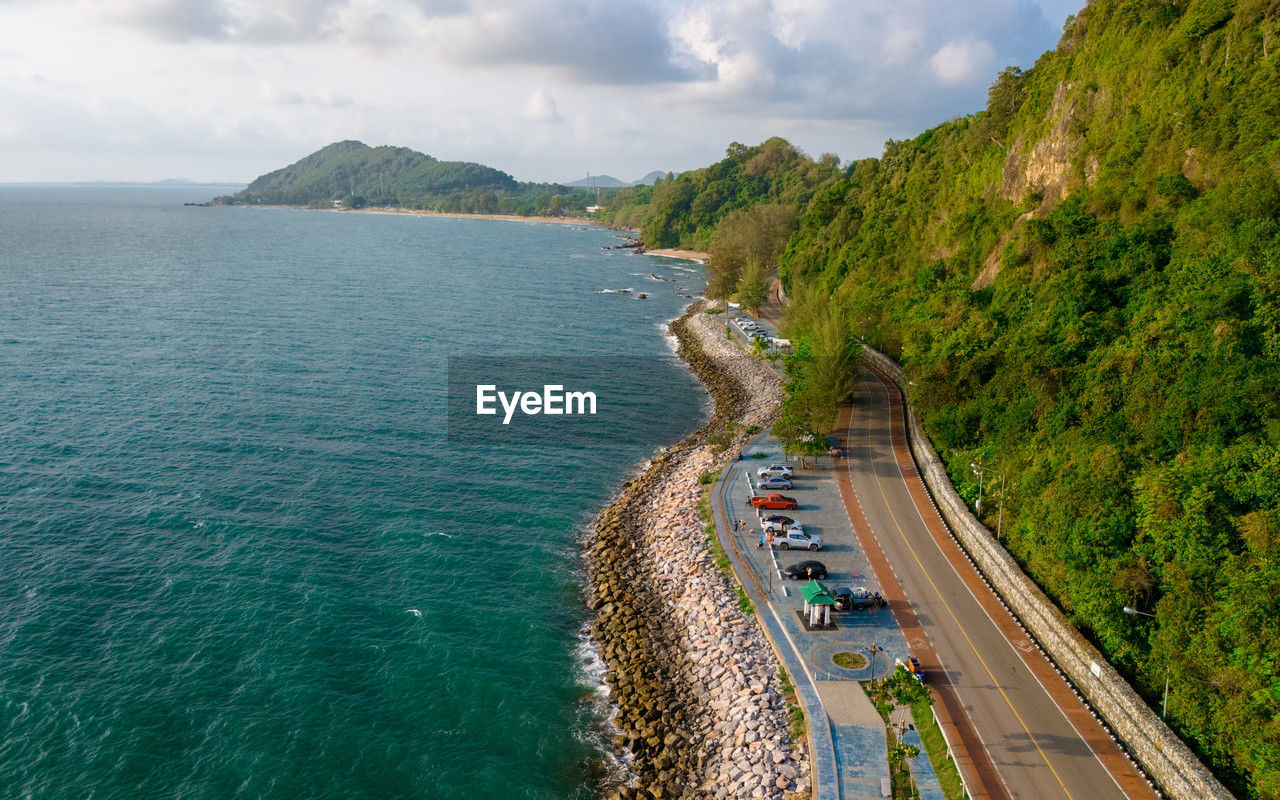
column 547, row 90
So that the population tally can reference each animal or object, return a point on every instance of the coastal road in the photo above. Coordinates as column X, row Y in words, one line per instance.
column 1024, row 733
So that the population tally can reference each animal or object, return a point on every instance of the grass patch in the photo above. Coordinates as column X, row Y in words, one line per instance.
column 759, row 455
column 752, row 430
column 718, row 555
column 795, row 712
column 936, row 747
column 720, row 440
column 850, row 660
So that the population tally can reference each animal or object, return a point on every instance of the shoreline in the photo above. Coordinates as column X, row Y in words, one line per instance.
column 692, row 677
column 421, row 212
column 664, row 252
column 671, row 252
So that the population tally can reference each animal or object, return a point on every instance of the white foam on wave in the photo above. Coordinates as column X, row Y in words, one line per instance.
column 601, row 724
column 414, row 612
column 668, row 338
column 591, row 668
column 441, row 534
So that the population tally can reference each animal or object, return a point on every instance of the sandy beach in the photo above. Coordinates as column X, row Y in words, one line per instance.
column 460, row 215
column 666, row 252
column 690, row 255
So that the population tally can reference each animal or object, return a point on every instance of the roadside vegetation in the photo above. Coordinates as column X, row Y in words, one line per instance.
column 936, row 748
column 898, row 688
column 721, row 558
column 901, row 689
column 795, row 711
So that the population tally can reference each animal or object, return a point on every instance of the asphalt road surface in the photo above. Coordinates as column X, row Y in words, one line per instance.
column 1039, row 742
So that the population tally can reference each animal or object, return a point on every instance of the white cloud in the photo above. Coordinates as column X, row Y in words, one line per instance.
column 634, row 86
column 963, row 62
column 541, row 108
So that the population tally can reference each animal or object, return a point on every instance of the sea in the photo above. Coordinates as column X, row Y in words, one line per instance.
column 242, row 556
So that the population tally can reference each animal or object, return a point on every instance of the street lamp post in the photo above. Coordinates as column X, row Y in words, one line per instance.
column 1164, row 705
column 977, row 470
column 1000, row 515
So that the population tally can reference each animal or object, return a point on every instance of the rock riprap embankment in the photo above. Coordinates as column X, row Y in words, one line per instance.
column 692, row 676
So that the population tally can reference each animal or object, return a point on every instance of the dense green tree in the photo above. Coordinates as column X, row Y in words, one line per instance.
column 686, row 210
column 753, row 236
column 753, row 286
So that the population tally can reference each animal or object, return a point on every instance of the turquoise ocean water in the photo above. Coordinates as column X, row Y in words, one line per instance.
column 238, row 555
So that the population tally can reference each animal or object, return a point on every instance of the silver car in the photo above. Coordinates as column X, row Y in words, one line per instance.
column 775, row 482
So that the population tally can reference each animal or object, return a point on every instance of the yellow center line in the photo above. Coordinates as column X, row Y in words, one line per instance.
column 947, row 606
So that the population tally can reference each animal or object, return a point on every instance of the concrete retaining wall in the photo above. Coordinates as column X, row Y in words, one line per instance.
column 1161, row 753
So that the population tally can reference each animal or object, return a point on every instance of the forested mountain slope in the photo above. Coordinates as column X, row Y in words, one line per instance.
column 684, row 210
column 1084, row 282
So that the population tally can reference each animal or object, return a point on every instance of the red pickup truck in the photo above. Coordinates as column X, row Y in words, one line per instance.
column 773, row 502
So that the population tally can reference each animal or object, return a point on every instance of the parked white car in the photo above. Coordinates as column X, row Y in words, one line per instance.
column 777, row 523
column 795, row 538
column 783, row 470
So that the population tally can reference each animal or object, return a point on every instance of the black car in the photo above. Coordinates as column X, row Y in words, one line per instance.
column 806, row 569
column 844, row 598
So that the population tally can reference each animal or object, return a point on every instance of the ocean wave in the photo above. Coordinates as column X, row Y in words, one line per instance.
column 600, row 714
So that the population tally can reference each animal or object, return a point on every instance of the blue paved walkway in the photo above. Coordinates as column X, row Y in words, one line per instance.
column 849, row 760
column 860, row 757
column 922, row 770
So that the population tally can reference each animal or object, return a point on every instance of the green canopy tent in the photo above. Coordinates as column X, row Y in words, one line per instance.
column 818, row 601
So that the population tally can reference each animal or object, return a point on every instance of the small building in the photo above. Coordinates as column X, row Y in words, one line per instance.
column 818, row 601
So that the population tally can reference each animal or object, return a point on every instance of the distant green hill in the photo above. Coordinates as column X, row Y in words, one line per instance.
column 353, row 174
column 610, row 182
column 648, row 180
column 598, row 182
